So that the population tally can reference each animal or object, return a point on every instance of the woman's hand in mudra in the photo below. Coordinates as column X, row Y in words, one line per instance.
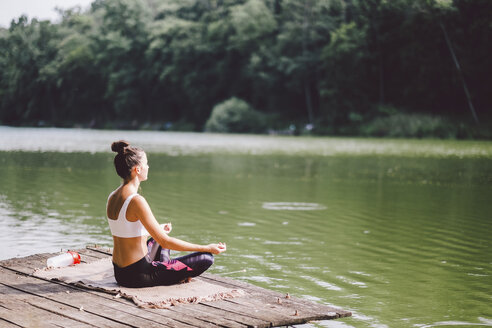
column 217, row 248
column 167, row 227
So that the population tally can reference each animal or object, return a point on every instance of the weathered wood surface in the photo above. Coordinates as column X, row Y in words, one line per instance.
column 28, row 301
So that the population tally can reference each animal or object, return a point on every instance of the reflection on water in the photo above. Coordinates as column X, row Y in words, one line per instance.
column 483, row 323
column 402, row 241
column 293, row 206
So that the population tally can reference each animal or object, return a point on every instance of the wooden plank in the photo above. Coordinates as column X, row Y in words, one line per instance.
column 204, row 314
column 53, row 312
column 169, row 319
column 185, row 319
column 27, row 264
column 29, row 319
column 24, row 314
column 293, row 301
column 274, row 319
column 246, row 310
column 154, row 317
column 288, row 306
column 88, row 256
column 4, row 323
column 97, row 252
column 278, row 316
column 11, row 298
column 77, row 318
column 28, row 303
column 105, row 302
column 99, row 249
column 293, row 313
column 232, row 316
column 265, row 305
column 119, row 314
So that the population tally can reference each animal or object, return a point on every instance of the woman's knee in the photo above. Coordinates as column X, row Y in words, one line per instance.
column 208, row 258
column 202, row 262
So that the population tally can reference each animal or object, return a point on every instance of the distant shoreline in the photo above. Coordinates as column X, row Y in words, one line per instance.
column 404, row 126
column 175, row 143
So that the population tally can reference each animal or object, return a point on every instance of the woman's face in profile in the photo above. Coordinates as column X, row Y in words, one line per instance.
column 144, row 168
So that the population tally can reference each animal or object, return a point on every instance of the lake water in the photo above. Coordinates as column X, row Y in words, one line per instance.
column 397, row 231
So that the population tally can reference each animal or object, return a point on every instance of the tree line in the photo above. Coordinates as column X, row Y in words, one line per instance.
column 331, row 64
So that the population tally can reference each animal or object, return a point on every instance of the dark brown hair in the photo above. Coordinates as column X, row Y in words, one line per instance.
column 127, row 157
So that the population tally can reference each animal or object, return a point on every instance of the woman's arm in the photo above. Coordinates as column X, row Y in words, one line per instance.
column 144, row 213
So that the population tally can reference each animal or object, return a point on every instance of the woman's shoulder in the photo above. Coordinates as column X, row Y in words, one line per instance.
column 138, row 200
column 138, row 207
column 112, row 193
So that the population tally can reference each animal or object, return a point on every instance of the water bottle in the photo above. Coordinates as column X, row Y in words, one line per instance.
column 65, row 259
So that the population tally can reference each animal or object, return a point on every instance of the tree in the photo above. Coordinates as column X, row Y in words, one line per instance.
column 27, row 93
column 120, row 45
column 304, row 29
column 345, row 91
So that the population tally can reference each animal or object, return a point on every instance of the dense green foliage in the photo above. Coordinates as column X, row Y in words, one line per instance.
column 333, row 63
column 235, row 115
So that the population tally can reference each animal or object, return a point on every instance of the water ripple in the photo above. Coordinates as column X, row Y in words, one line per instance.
column 293, row 206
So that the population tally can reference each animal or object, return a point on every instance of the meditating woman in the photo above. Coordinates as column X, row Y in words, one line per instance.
column 137, row 260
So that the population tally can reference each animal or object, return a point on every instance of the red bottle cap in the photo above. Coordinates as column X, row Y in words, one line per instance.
column 76, row 257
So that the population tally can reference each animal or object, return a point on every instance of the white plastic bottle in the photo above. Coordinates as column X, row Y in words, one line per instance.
column 65, row 259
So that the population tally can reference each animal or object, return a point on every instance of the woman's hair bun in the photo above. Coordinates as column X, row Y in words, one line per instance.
column 119, row 146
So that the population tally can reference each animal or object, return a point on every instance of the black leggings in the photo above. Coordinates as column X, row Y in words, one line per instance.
column 157, row 268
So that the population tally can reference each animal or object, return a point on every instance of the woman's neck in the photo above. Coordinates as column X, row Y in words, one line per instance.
column 133, row 184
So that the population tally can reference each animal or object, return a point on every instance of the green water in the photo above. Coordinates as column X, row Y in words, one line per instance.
column 399, row 232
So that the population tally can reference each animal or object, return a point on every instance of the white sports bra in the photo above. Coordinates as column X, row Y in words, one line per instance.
column 121, row 227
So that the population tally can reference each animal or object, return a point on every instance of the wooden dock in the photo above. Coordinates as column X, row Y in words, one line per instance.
column 28, row 301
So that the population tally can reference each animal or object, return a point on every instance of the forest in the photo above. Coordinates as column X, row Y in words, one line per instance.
column 399, row 68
